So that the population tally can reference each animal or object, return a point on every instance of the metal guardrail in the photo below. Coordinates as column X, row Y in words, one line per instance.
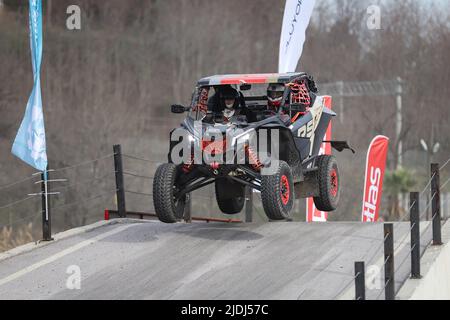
column 414, row 253
column 46, row 184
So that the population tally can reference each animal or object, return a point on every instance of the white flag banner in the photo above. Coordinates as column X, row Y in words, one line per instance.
column 297, row 14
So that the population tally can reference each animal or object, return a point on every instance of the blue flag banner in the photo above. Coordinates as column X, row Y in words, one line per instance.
column 30, row 145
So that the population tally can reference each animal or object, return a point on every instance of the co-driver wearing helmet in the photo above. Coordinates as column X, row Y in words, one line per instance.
column 275, row 93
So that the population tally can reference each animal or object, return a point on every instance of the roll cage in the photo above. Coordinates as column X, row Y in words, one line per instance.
column 257, row 103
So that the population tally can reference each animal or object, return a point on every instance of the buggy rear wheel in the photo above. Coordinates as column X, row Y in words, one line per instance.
column 328, row 182
column 168, row 208
column 230, row 196
column 277, row 193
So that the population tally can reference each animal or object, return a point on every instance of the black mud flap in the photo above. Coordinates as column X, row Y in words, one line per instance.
column 340, row 146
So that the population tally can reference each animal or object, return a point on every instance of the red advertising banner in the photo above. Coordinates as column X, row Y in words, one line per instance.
column 312, row 214
column 373, row 183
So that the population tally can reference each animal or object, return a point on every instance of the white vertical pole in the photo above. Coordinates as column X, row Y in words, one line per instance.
column 398, row 129
column 398, row 123
column 341, row 100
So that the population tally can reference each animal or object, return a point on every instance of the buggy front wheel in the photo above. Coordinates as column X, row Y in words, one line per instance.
column 168, row 208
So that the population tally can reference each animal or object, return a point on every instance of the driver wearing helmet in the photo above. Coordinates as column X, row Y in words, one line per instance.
column 275, row 93
column 225, row 102
column 229, row 102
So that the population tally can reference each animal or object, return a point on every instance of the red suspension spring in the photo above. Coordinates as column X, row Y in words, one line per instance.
column 253, row 158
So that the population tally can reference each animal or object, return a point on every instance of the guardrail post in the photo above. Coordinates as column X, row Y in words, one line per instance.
column 46, row 217
column 389, row 281
column 436, row 204
column 120, row 189
column 248, row 204
column 188, row 208
column 360, row 281
column 415, row 234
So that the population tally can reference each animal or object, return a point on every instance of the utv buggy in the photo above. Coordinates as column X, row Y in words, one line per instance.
column 296, row 128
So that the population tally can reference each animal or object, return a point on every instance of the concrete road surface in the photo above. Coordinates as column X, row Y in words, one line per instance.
column 150, row 260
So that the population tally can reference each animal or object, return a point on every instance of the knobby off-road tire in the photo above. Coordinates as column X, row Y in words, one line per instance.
column 328, row 182
column 167, row 208
column 229, row 204
column 277, row 193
